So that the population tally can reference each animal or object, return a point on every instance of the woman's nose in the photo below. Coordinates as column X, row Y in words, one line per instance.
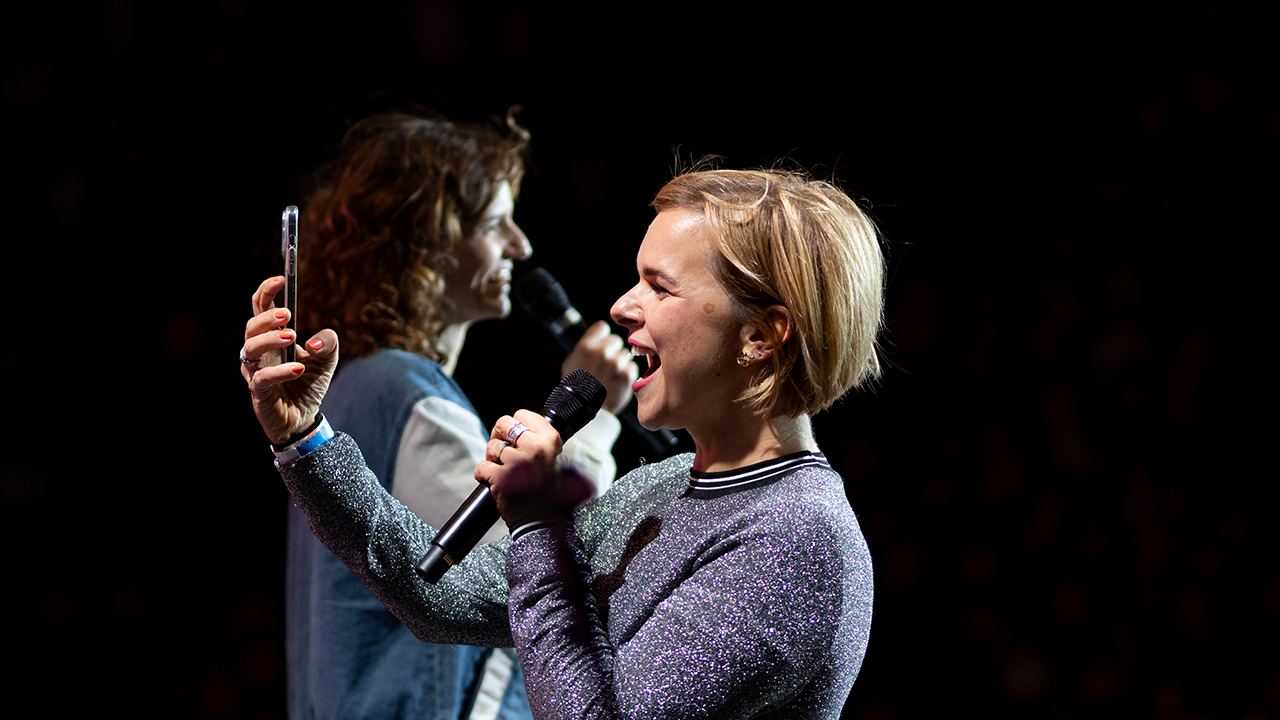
column 518, row 247
column 626, row 311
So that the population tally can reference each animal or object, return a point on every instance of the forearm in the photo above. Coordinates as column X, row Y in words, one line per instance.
column 381, row 541
column 567, row 657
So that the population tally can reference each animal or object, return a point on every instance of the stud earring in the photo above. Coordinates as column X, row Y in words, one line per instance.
column 744, row 359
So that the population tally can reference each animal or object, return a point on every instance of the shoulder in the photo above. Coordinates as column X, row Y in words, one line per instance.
column 373, row 396
column 386, row 362
column 386, row 374
column 812, row 497
column 803, row 513
column 632, row 496
column 671, row 472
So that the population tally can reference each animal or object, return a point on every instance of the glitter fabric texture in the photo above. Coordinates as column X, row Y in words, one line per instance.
column 744, row 594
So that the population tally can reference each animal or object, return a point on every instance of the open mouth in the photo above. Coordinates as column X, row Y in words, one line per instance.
column 502, row 276
column 651, row 356
column 496, row 284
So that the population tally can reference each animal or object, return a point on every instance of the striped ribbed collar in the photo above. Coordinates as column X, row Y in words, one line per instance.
column 704, row 485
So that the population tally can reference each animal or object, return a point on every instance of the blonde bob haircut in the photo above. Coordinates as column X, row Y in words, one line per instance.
column 786, row 239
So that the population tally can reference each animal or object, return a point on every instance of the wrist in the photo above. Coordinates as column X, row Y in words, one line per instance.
column 313, row 438
column 298, row 437
column 524, row 528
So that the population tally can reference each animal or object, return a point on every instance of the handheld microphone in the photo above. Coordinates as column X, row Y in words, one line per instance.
column 543, row 298
column 569, row 407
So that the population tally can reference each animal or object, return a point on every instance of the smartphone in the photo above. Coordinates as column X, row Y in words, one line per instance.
column 289, row 250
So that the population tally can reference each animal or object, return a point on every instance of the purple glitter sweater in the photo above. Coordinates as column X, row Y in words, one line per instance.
column 743, row 594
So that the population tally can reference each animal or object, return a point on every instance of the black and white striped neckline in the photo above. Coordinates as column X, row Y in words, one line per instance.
column 716, row 484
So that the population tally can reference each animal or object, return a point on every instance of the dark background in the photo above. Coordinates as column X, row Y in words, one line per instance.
column 1066, row 475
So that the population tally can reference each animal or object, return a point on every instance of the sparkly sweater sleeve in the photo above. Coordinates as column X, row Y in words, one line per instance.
column 381, row 541
column 737, row 620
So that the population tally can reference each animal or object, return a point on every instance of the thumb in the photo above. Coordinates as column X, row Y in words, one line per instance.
column 323, row 347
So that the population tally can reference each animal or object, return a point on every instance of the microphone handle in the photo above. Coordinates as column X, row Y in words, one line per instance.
column 661, row 441
column 484, row 509
column 462, row 532
column 574, row 401
column 479, row 513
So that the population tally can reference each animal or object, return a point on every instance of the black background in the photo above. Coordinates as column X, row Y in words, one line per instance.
column 1066, row 475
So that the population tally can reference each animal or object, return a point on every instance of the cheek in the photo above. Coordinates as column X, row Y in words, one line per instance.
column 473, row 266
column 490, row 255
column 680, row 329
column 476, row 255
column 465, row 256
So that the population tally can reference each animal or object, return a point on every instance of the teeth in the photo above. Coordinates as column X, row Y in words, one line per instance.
column 651, row 359
column 501, row 276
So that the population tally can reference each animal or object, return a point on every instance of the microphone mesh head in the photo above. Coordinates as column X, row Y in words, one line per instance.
column 541, row 296
column 574, row 402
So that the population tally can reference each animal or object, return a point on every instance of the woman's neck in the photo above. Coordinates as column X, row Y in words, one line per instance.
column 450, row 343
column 753, row 440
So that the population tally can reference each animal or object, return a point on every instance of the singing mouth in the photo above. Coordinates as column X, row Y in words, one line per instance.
column 653, row 360
column 501, row 276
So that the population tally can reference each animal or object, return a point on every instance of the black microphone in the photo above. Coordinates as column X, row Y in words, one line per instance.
column 543, row 298
column 570, row 406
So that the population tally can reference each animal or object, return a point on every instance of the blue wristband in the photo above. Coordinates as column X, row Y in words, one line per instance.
column 314, row 440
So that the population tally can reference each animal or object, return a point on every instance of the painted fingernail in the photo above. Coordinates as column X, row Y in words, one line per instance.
column 297, row 369
column 315, row 344
column 281, row 314
column 286, row 334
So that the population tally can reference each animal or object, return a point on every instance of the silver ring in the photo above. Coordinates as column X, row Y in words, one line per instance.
column 516, row 431
column 246, row 361
column 498, row 457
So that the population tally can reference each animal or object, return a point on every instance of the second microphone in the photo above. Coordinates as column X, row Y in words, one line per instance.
column 543, row 298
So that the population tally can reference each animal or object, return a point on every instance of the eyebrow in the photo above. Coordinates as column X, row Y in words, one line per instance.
column 655, row 272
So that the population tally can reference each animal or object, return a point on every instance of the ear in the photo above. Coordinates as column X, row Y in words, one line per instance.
column 759, row 343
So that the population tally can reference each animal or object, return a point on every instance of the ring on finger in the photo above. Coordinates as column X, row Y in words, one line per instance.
column 247, row 361
column 516, row 431
column 497, row 458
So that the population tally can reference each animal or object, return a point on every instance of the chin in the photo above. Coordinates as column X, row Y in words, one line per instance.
column 493, row 309
column 647, row 423
column 650, row 422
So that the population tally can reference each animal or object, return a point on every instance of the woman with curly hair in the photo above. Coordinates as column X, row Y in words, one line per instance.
column 409, row 242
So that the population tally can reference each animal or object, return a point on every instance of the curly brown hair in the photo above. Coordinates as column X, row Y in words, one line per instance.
column 377, row 240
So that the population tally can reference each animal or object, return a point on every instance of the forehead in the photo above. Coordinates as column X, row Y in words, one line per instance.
column 678, row 241
column 501, row 203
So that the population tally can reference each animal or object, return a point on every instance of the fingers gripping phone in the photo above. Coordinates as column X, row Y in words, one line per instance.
column 289, row 250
